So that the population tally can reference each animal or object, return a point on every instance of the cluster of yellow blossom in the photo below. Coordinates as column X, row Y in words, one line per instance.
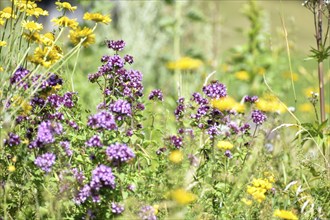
column 225, row 145
column 46, row 56
column 182, row 196
column 289, row 75
column 24, row 106
column 184, row 63
column 242, row 75
column 227, row 103
column 259, row 187
column 176, row 156
column 283, row 214
column 270, row 103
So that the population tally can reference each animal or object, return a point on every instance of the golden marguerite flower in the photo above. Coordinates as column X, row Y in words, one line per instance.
column 2, row 22
column 65, row 5
column 283, row 214
column 64, row 21
column 3, row 43
column 36, row 12
column 32, row 26
column 97, row 17
column 24, row 5
column 7, row 13
column 85, row 35
column 46, row 56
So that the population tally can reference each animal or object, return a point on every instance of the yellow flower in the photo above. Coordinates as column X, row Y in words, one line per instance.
column 97, row 17
column 227, row 103
column 3, row 43
column 32, row 26
column 65, row 5
column 224, row 145
column 24, row 5
column 176, row 156
column 270, row 103
column 36, row 12
column 185, row 63
column 261, row 71
column 294, row 76
column 2, row 22
column 247, row 201
column 242, row 75
column 262, row 183
column 1, row 70
column 7, row 13
column 257, row 193
column 46, row 56
column 11, row 168
column 64, row 21
column 14, row 159
column 32, row 37
column 47, row 39
column 306, row 107
column 283, row 214
column 24, row 105
column 86, row 35
column 309, row 91
column 156, row 208
column 182, row 196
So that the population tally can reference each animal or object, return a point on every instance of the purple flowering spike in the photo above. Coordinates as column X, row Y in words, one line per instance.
column 119, row 153
column 102, row 120
column 94, row 141
column 156, row 95
column 12, row 140
column 116, row 45
column 121, row 108
column 215, row 90
column 102, row 176
column 258, row 117
column 45, row 161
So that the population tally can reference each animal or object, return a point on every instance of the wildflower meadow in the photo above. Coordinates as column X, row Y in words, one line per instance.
column 164, row 110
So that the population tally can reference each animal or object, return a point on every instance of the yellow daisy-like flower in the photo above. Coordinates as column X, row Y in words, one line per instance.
column 283, row 214
column 247, row 201
column 306, row 107
column 156, row 208
column 3, row 43
column 2, row 22
column 24, row 105
column 11, row 168
column 184, row 63
column 227, row 103
column 32, row 26
column 224, row 145
column 7, row 13
column 65, row 5
column 182, row 196
column 242, row 75
column 46, row 56
column 86, row 35
column 97, row 17
column 36, row 12
column 309, row 91
column 32, row 37
column 176, row 156
column 294, row 76
column 269, row 103
column 47, row 39
column 1, row 70
column 24, row 5
column 64, row 21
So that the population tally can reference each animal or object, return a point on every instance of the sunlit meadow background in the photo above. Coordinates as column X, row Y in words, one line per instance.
column 255, row 48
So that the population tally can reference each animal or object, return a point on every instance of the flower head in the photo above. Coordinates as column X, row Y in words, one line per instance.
column 97, row 17
column 116, row 45
column 64, row 21
column 3, row 43
column 283, row 214
column 156, row 95
column 119, row 153
column 36, row 12
column 45, row 161
column 176, row 156
column 84, row 35
column 32, row 26
column 7, row 13
column 65, row 5
column 258, row 117
column 182, row 196
column 215, row 90
column 185, row 63
column 225, row 145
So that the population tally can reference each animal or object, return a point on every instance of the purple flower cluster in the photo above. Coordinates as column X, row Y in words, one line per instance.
column 215, row 90
column 66, row 147
column 213, row 131
column 178, row 112
column 94, row 141
column 117, row 208
column 12, row 140
column 251, row 99
column 156, row 95
column 121, row 108
column 52, row 80
column 45, row 161
column 78, row 175
column 46, row 131
column 176, row 141
column 128, row 59
column 119, row 153
column 147, row 213
column 116, row 45
column 66, row 100
column 102, row 120
column 83, row 194
column 19, row 77
column 102, row 176
column 197, row 97
column 258, row 117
